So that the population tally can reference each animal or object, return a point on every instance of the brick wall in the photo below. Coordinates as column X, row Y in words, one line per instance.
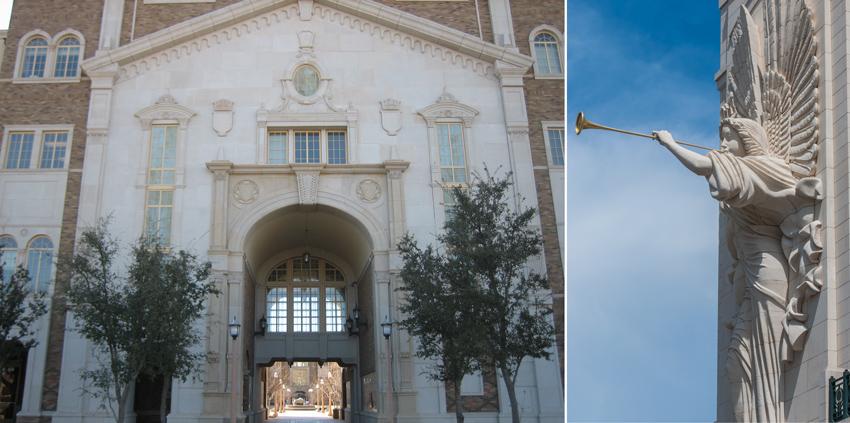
column 477, row 403
column 545, row 102
column 153, row 17
column 34, row 104
column 365, row 291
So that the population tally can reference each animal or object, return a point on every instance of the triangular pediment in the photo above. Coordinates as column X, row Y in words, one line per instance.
column 223, row 25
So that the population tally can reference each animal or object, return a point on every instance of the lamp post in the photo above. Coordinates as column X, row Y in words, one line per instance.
column 234, row 333
column 387, row 327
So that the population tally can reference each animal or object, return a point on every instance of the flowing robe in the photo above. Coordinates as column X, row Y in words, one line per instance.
column 757, row 194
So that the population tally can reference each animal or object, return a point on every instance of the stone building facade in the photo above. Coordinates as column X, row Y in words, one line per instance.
column 253, row 131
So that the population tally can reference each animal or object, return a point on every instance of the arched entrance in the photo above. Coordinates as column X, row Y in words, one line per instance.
column 304, row 265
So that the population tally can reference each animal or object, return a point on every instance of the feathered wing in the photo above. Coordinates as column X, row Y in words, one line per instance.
column 789, row 86
column 744, row 97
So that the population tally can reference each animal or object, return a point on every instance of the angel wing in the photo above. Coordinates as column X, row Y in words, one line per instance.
column 789, row 85
column 779, row 88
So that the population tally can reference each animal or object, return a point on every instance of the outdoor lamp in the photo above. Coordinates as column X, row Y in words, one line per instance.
column 349, row 324
column 234, row 328
column 387, row 327
column 262, row 331
column 356, row 312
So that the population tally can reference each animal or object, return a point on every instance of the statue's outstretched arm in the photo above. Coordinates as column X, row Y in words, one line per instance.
column 695, row 162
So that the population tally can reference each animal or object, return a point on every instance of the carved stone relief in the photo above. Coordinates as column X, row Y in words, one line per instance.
column 391, row 116
column 222, row 116
column 368, row 191
column 246, row 191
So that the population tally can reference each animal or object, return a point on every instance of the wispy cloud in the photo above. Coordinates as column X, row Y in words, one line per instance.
column 641, row 229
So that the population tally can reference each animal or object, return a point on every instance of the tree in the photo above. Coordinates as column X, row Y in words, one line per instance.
column 141, row 320
column 495, row 243
column 168, row 294
column 100, row 300
column 19, row 309
column 438, row 311
column 477, row 303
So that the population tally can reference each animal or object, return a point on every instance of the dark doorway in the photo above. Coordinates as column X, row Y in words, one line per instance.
column 148, row 399
column 12, row 385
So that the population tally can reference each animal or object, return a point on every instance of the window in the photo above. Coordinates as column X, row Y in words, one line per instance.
column 452, row 162
column 158, row 215
column 35, row 58
column 306, row 80
column 546, row 42
column 163, row 155
column 67, row 57
column 8, row 256
column 39, row 263
column 21, row 146
column 53, row 148
column 308, row 146
column 305, row 297
column 20, row 150
column 547, row 52
column 45, row 58
column 553, row 135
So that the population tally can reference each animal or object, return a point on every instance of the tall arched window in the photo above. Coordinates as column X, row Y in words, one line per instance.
column 67, row 57
column 305, row 297
column 35, row 58
column 39, row 263
column 8, row 256
column 548, row 53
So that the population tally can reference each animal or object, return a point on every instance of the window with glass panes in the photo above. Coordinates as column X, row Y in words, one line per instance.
column 67, row 58
column 163, row 154
column 35, row 58
column 548, row 53
column 19, row 152
column 556, row 145
column 8, row 256
column 307, row 146
column 158, row 212
column 53, row 148
column 39, row 263
column 305, row 297
column 452, row 161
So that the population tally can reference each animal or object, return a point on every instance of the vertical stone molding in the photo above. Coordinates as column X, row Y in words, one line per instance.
column 218, row 227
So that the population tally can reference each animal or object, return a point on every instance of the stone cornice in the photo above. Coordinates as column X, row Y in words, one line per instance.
column 346, row 169
column 390, row 24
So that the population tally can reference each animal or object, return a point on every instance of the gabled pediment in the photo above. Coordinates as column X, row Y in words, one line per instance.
column 223, row 25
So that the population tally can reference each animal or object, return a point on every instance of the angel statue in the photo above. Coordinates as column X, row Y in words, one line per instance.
column 763, row 178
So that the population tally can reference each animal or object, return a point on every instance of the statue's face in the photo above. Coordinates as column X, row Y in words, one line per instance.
column 730, row 142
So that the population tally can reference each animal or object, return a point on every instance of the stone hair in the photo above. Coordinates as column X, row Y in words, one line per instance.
column 752, row 134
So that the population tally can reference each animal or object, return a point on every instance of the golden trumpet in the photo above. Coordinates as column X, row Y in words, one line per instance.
column 582, row 124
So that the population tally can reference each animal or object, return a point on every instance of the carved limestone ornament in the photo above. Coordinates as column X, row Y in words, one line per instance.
column 768, row 192
column 246, row 191
column 222, row 116
column 165, row 109
column 391, row 116
column 368, row 191
column 308, row 183
column 448, row 108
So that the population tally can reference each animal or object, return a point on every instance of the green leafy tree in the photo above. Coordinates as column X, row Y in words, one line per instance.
column 19, row 309
column 169, row 291
column 100, row 300
column 494, row 243
column 140, row 320
column 478, row 305
column 438, row 311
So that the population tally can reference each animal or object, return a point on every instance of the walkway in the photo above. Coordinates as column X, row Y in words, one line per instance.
column 301, row 417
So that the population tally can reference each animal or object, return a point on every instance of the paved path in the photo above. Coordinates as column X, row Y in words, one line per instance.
column 301, row 417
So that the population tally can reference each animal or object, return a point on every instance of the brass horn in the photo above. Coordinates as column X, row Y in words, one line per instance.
column 582, row 124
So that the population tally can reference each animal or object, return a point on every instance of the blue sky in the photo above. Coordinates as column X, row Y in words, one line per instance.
column 641, row 229
column 5, row 11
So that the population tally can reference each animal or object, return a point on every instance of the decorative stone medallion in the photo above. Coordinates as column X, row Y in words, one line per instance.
column 222, row 116
column 246, row 191
column 368, row 191
column 391, row 116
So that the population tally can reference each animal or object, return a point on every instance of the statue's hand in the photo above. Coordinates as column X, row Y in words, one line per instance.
column 664, row 138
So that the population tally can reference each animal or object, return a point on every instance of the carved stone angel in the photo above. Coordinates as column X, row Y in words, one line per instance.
column 763, row 178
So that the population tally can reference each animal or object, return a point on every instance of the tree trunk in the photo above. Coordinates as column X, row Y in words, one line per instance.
column 506, row 375
column 166, row 385
column 458, row 404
